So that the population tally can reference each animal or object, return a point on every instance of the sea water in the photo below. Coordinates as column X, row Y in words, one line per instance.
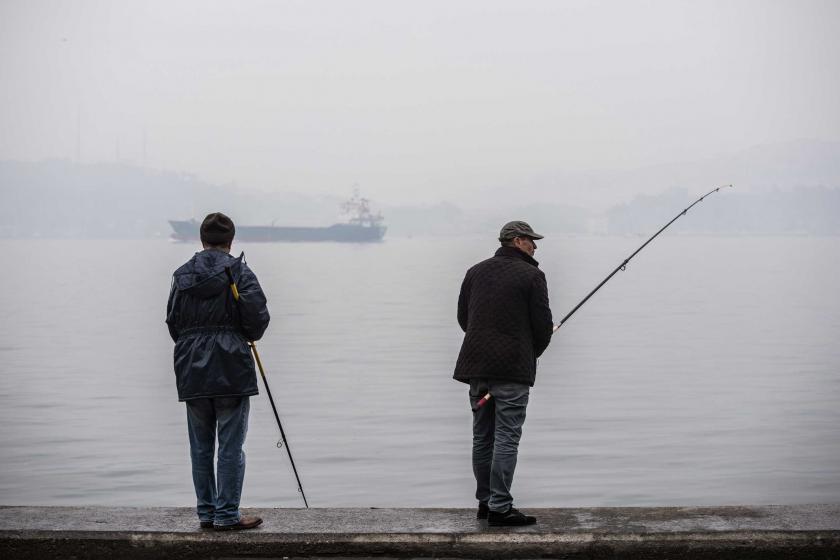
column 706, row 373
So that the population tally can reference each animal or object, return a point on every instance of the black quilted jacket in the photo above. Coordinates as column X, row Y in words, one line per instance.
column 211, row 330
column 503, row 309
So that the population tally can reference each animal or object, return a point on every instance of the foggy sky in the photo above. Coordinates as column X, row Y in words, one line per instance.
column 414, row 101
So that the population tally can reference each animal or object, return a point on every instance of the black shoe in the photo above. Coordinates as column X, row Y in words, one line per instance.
column 511, row 517
column 482, row 512
column 206, row 524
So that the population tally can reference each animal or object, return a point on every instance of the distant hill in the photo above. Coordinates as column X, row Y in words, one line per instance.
column 802, row 210
column 59, row 199
column 789, row 188
column 759, row 169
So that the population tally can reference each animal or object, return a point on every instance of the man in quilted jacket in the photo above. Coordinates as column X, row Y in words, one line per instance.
column 503, row 309
column 214, row 368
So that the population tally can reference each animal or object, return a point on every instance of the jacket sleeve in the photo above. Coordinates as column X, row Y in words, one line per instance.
column 542, row 326
column 171, row 313
column 464, row 303
column 253, row 310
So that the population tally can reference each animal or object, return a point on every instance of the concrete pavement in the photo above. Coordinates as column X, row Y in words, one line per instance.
column 806, row 531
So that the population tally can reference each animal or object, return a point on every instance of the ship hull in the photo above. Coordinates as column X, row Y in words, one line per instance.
column 348, row 233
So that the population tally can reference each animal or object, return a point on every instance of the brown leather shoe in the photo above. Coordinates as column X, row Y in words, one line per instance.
column 245, row 522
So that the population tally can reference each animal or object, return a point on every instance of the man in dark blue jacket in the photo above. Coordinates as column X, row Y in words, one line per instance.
column 503, row 309
column 214, row 368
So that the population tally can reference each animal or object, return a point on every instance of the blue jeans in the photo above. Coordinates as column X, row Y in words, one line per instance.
column 497, row 428
column 218, row 494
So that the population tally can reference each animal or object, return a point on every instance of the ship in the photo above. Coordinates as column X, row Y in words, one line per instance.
column 363, row 226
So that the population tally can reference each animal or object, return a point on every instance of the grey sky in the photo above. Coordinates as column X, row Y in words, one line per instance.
column 415, row 101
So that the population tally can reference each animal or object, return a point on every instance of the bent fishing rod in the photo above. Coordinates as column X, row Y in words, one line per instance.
column 253, row 347
column 622, row 266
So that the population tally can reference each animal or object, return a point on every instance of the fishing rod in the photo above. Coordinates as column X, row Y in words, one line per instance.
column 253, row 347
column 622, row 266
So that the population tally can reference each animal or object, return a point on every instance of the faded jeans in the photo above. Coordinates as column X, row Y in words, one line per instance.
column 497, row 427
column 218, row 494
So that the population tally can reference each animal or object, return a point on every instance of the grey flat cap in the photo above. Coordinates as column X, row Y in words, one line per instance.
column 517, row 229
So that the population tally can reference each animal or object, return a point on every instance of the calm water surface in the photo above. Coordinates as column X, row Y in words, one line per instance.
column 707, row 373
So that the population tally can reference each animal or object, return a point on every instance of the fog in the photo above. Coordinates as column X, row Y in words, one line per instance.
column 705, row 374
column 485, row 105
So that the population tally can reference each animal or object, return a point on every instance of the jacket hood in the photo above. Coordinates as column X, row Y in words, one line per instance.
column 204, row 275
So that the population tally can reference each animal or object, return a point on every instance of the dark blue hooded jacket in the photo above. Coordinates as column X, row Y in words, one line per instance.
column 211, row 330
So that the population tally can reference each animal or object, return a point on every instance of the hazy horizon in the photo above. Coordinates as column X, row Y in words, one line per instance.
column 470, row 102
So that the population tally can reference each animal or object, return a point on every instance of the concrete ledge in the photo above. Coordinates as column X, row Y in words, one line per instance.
column 809, row 531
